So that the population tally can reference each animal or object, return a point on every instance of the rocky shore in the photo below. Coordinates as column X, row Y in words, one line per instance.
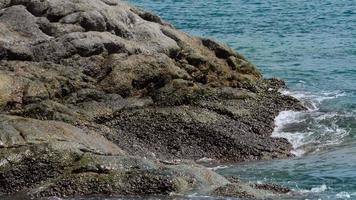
column 102, row 98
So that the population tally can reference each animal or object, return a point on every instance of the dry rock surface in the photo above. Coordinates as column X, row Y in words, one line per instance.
column 102, row 98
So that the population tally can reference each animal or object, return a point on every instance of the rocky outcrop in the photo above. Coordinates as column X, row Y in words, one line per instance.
column 100, row 97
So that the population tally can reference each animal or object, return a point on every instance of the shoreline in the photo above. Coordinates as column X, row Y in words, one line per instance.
column 100, row 97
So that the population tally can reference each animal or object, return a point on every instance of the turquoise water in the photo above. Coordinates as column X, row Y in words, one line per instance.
column 311, row 45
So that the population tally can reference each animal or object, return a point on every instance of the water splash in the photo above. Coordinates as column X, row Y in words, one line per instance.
column 314, row 129
column 343, row 195
column 319, row 189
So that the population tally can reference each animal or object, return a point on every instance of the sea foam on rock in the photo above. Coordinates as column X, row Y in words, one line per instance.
column 100, row 97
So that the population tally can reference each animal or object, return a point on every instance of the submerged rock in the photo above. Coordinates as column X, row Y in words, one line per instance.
column 98, row 97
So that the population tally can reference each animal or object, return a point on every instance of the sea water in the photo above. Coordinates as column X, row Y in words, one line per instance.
column 312, row 45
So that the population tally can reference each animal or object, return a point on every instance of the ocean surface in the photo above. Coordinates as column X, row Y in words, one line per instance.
column 312, row 45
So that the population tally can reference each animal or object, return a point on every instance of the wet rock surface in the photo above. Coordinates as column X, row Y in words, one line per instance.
column 100, row 97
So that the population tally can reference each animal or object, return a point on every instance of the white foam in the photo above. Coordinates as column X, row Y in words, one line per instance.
column 319, row 97
column 286, row 117
column 295, row 138
column 343, row 195
column 312, row 130
column 313, row 100
column 318, row 134
column 322, row 188
column 218, row 167
column 319, row 189
column 326, row 116
column 337, row 134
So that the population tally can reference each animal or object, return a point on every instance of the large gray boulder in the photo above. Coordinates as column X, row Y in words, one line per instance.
column 100, row 97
